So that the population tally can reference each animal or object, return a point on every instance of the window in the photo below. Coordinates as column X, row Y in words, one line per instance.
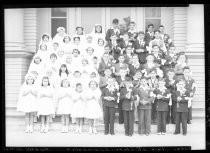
column 153, row 16
column 58, row 19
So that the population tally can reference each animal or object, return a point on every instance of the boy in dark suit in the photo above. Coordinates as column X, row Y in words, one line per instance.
column 127, row 98
column 171, row 85
column 182, row 95
column 153, row 83
column 170, row 58
column 163, row 99
column 133, row 34
column 109, row 97
column 125, row 42
column 143, row 103
column 135, row 65
column 115, row 47
column 190, row 86
column 150, row 33
column 113, row 30
column 105, row 63
column 140, row 47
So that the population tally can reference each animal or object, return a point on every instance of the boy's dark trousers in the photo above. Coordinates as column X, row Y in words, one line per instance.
column 181, row 117
column 168, row 116
column 109, row 116
column 189, row 114
column 154, row 111
column 173, row 112
column 121, row 118
column 161, row 121
column 128, row 121
column 144, row 121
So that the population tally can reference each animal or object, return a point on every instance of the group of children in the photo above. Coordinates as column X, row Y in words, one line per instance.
column 87, row 75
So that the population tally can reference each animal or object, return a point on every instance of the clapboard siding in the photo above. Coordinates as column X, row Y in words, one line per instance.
column 179, row 26
column 16, row 69
column 30, row 28
column 167, row 20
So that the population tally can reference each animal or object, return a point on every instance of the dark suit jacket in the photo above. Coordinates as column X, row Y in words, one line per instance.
column 148, row 38
column 182, row 106
column 105, row 93
column 162, row 104
column 127, row 104
column 109, row 33
column 144, row 95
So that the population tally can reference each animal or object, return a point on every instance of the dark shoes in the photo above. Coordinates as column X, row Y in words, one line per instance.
column 106, row 133
column 112, row 133
column 188, row 122
column 175, row 133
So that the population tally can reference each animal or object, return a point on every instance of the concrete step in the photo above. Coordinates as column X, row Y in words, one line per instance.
column 19, row 125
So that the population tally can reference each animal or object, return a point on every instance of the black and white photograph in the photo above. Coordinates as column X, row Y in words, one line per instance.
column 105, row 77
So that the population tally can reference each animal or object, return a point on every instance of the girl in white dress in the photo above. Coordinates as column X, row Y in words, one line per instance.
column 90, row 53
column 43, row 52
column 76, row 59
column 80, row 33
column 65, row 104
column 69, row 64
column 36, row 65
column 66, row 46
column 27, row 101
column 97, row 33
column 79, row 105
column 46, row 39
column 45, row 104
column 63, row 71
column 77, row 44
column 60, row 35
column 99, row 51
column 93, row 110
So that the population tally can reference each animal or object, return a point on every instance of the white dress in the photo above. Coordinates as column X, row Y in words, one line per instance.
column 93, row 109
column 65, row 104
column 67, row 48
column 79, row 105
column 27, row 103
column 45, row 104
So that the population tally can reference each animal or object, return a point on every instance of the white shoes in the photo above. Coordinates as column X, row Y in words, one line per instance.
column 66, row 129
column 77, row 130
column 27, row 129
column 46, row 129
column 42, row 129
column 63, row 129
column 90, row 130
column 159, row 133
column 80, row 130
column 94, row 130
column 31, row 130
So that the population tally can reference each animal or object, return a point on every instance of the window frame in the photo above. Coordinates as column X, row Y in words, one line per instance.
column 67, row 20
column 148, row 18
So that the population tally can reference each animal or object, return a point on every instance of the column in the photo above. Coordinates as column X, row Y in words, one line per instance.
column 14, row 32
column 140, row 19
column 17, row 57
column 72, row 20
column 78, row 17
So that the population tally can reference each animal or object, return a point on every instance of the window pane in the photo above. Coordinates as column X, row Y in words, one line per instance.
column 119, row 13
column 90, row 17
column 59, row 12
column 155, row 22
column 57, row 23
column 152, row 12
